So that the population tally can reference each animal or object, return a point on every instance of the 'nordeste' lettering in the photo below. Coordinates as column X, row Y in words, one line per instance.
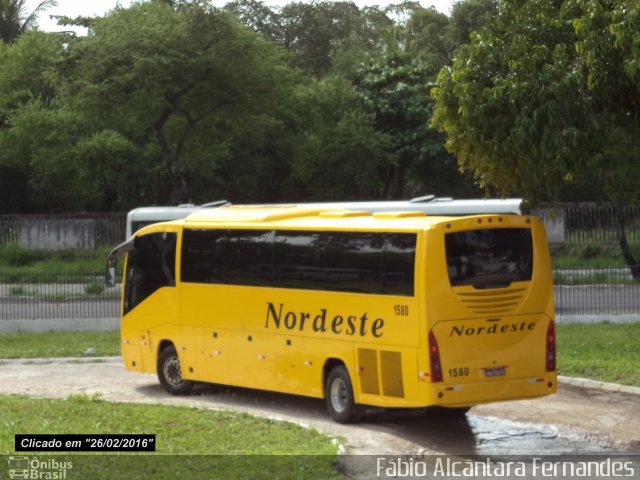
column 464, row 331
column 322, row 322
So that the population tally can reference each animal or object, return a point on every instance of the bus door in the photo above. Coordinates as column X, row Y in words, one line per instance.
column 150, row 308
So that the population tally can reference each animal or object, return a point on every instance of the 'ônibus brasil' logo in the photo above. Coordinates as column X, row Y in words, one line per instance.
column 321, row 322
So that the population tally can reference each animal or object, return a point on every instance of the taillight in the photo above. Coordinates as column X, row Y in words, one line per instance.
column 434, row 359
column 551, row 348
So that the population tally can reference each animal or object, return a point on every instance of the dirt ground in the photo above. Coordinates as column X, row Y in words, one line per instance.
column 596, row 418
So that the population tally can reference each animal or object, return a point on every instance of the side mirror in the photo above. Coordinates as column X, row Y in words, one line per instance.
column 112, row 259
column 110, row 273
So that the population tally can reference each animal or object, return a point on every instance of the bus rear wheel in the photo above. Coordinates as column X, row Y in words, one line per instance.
column 170, row 374
column 339, row 396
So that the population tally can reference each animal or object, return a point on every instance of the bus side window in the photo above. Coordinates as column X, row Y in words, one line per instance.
column 398, row 264
column 298, row 260
column 151, row 265
column 203, row 256
column 354, row 261
column 249, row 257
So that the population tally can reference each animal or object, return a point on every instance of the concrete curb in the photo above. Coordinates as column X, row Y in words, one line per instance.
column 26, row 361
column 598, row 385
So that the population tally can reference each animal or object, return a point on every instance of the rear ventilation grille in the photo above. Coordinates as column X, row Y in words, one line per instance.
column 489, row 302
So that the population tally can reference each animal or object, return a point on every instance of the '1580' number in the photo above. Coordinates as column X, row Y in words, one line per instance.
column 401, row 310
column 459, row 372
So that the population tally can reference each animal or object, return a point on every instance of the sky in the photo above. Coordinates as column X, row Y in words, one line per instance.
column 89, row 8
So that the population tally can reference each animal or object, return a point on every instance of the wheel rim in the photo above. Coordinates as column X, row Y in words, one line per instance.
column 171, row 371
column 339, row 395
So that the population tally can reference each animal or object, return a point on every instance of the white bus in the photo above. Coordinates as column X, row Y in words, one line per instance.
column 143, row 216
column 430, row 204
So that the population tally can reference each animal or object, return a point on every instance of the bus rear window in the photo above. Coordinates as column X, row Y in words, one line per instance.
column 489, row 258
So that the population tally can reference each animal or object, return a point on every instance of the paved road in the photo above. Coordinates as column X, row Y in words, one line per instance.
column 574, row 421
column 14, row 308
column 597, row 299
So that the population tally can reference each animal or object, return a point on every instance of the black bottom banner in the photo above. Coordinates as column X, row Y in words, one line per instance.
column 143, row 466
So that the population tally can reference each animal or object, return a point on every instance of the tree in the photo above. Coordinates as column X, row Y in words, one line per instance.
column 15, row 19
column 178, row 82
column 529, row 108
column 316, row 33
column 394, row 87
column 609, row 47
column 427, row 38
column 468, row 16
column 257, row 16
column 26, row 80
column 395, row 91
column 337, row 152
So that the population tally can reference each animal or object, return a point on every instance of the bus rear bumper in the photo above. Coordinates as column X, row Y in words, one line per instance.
column 463, row 395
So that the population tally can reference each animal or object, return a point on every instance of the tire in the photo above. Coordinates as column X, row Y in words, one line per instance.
column 339, row 396
column 170, row 374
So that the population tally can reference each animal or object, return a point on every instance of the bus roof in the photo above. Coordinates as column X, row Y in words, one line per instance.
column 431, row 205
column 309, row 217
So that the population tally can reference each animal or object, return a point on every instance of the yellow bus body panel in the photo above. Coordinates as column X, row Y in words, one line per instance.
column 491, row 341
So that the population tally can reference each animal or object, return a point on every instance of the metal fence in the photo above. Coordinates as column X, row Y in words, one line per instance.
column 596, row 222
column 580, row 223
column 64, row 231
column 52, row 296
column 594, row 291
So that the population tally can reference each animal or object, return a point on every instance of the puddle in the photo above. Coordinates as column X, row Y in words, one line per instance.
column 501, row 437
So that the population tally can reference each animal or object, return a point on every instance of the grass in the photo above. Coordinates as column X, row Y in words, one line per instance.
column 59, row 344
column 591, row 255
column 607, row 352
column 16, row 260
column 190, row 442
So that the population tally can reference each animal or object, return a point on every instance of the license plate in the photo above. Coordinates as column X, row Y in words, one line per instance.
column 495, row 372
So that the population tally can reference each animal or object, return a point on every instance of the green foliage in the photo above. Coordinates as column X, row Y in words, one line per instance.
column 15, row 255
column 395, row 91
column 15, row 18
column 18, row 292
column 338, row 152
column 511, row 105
column 468, row 17
column 586, row 255
column 607, row 352
column 320, row 36
column 16, row 261
column 185, row 81
column 96, row 287
column 179, row 431
column 167, row 102
column 538, row 104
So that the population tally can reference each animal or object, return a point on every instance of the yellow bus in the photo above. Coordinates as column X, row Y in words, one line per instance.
column 386, row 309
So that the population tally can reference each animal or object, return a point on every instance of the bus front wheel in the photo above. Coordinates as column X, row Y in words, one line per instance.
column 339, row 396
column 170, row 374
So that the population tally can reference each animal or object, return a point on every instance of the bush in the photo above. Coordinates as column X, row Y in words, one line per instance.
column 15, row 255
column 96, row 287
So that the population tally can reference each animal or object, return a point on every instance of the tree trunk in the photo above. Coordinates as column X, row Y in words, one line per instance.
column 179, row 189
column 394, row 183
column 631, row 261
